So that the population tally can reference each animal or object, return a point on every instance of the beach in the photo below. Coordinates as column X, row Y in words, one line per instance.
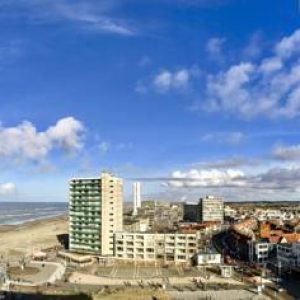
column 19, row 240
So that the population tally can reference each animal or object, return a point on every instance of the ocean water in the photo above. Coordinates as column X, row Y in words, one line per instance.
column 12, row 213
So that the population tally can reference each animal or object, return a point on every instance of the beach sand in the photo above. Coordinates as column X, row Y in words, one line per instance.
column 19, row 240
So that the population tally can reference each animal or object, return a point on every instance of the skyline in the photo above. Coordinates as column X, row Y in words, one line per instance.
column 190, row 97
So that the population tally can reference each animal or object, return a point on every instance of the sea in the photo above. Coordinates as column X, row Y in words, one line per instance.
column 13, row 213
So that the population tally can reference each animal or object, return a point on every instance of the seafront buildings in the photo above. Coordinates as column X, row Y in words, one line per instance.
column 96, row 212
column 154, row 233
column 179, row 233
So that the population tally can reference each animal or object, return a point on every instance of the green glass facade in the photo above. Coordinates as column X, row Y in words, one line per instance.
column 85, row 215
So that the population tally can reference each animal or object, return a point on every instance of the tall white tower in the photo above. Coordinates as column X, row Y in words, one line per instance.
column 136, row 196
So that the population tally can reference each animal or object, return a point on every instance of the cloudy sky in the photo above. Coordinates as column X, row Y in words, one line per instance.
column 192, row 97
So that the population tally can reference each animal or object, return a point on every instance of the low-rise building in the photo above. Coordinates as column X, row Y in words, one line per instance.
column 139, row 224
column 167, row 247
column 226, row 271
column 288, row 255
column 260, row 251
column 207, row 258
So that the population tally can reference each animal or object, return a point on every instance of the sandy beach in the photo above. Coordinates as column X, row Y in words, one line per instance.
column 17, row 240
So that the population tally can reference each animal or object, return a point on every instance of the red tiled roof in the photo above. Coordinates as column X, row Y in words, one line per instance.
column 291, row 237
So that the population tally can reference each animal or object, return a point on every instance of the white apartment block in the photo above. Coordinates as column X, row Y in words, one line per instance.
column 288, row 255
column 166, row 247
column 211, row 209
column 95, row 213
column 259, row 252
column 207, row 258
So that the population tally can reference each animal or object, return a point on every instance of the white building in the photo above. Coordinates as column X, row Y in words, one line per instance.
column 167, row 247
column 211, row 209
column 207, row 258
column 208, row 209
column 226, row 271
column 288, row 255
column 136, row 191
column 259, row 251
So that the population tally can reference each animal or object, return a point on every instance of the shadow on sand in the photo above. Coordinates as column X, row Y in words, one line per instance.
column 63, row 239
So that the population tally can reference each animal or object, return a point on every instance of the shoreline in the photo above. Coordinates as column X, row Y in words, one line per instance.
column 33, row 221
column 21, row 239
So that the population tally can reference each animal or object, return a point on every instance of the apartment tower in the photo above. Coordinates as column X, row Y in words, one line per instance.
column 95, row 213
column 211, row 209
column 136, row 197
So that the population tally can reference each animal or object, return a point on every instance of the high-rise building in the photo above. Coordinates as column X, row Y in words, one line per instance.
column 95, row 213
column 211, row 209
column 137, row 202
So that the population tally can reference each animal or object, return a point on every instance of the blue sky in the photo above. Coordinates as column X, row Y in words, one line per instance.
column 192, row 97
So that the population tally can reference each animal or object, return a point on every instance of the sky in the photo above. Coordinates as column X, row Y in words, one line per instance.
column 191, row 97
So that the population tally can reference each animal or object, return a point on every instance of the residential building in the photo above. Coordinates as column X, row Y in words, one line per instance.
column 161, row 213
column 207, row 258
column 288, row 256
column 95, row 213
column 136, row 225
column 166, row 247
column 209, row 208
column 191, row 212
column 260, row 251
column 226, row 271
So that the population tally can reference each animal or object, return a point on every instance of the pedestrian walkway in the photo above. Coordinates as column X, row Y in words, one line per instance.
column 216, row 295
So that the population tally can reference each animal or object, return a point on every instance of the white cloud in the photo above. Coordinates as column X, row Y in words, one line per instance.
column 233, row 162
column 24, row 142
column 269, row 88
column 270, row 65
column 124, row 146
column 104, row 147
column 166, row 80
column 90, row 15
column 206, row 178
column 7, row 188
column 231, row 138
column 277, row 178
column 140, row 88
column 289, row 45
column 181, row 78
column 287, row 152
column 214, row 48
column 254, row 46
column 163, row 80
column 66, row 133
